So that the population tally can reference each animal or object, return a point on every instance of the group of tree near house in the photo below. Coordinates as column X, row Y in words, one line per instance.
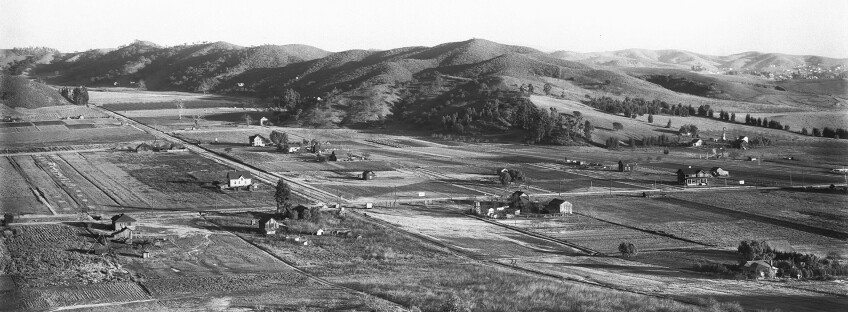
column 78, row 95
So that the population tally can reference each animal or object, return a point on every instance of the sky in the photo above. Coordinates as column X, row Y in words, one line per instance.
column 714, row 27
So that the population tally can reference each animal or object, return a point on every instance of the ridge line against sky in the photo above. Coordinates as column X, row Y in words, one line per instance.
column 718, row 27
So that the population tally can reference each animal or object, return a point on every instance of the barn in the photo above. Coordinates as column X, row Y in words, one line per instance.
column 368, row 175
column 122, row 221
column 268, row 225
column 759, row 269
column 239, row 179
column 557, row 205
column 257, row 140
column 718, row 172
column 692, row 177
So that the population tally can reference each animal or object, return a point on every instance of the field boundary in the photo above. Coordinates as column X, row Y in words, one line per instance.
column 647, row 231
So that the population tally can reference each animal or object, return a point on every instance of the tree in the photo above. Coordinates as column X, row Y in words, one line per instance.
column 517, row 175
column 588, row 128
column 650, row 118
column 180, row 106
column 668, row 125
column 247, row 119
column 733, row 117
column 530, row 88
column 504, row 178
column 817, row 132
column 617, row 126
column 547, row 88
column 279, row 138
column 628, row 249
column 747, row 119
column 282, row 197
column 804, row 131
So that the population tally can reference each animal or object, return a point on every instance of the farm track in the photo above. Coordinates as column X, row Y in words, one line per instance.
column 758, row 218
column 299, row 188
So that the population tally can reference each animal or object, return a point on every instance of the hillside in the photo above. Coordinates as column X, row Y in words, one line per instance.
column 748, row 61
column 196, row 68
column 16, row 91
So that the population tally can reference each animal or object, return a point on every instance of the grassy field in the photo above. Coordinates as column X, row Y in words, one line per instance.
column 406, row 270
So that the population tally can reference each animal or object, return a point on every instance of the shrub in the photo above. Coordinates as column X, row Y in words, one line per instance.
column 456, row 304
column 617, row 126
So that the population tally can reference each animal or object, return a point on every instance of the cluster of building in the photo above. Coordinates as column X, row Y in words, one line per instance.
column 519, row 204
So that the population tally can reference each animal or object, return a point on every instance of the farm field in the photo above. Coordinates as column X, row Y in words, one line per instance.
column 709, row 227
column 818, row 209
column 612, row 271
column 416, row 273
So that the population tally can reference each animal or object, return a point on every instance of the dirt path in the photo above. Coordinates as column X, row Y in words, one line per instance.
column 98, row 305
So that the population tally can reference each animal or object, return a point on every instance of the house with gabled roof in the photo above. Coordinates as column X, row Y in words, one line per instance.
column 693, row 177
column 122, row 221
column 268, row 225
column 257, row 140
column 239, row 179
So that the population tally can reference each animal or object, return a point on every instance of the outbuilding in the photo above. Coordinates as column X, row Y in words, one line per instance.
column 268, row 225
column 696, row 142
column 122, row 221
column 368, row 175
column 759, row 269
column 718, row 172
column 519, row 200
column 557, row 205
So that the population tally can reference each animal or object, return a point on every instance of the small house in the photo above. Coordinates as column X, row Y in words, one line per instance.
column 368, row 175
column 122, row 221
column 752, row 158
column 557, row 205
column 293, row 149
column 239, row 179
column 692, row 177
column 759, row 269
column 268, row 225
column 257, row 140
column 718, row 172
column 696, row 143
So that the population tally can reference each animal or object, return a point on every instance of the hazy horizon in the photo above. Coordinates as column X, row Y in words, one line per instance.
column 786, row 27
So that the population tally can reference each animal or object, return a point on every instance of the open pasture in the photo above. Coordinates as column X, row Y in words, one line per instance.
column 16, row 196
column 70, row 135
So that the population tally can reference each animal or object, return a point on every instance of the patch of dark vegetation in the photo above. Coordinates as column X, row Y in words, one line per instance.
column 683, row 85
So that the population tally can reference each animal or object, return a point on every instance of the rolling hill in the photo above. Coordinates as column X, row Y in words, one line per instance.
column 747, row 61
column 16, row 91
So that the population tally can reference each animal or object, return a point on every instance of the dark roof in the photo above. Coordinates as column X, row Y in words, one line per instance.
column 518, row 193
column 234, row 175
column 716, row 168
column 555, row 202
column 122, row 218
column 265, row 219
column 695, row 140
column 688, row 171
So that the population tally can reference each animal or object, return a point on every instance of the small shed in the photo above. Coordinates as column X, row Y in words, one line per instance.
column 759, row 269
column 368, row 175
column 257, row 140
column 268, row 225
column 122, row 221
column 239, row 178
column 718, row 172
column 696, row 143
column 557, row 205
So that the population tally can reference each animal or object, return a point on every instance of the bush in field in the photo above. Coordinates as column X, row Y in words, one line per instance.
column 627, row 249
column 456, row 304
column 617, row 126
